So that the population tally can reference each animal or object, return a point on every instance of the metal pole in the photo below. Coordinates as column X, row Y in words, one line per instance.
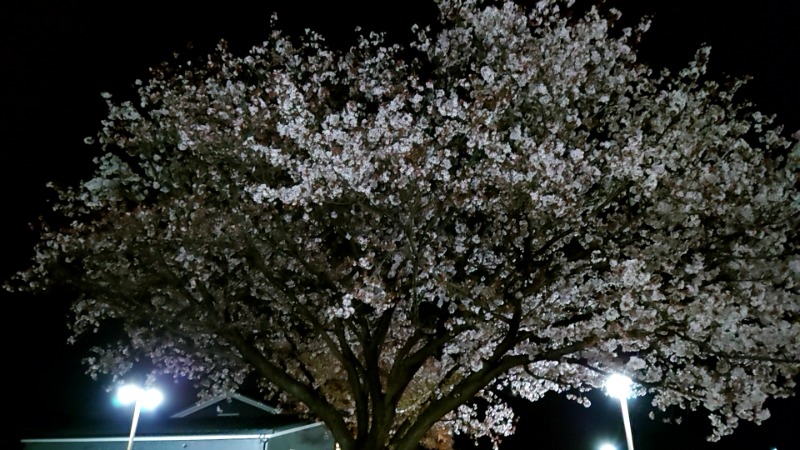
column 136, row 409
column 628, row 435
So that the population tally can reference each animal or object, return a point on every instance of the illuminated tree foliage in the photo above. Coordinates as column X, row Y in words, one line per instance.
column 393, row 239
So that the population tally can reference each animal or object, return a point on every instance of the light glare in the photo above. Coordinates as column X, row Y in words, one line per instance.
column 151, row 398
column 128, row 394
column 608, row 447
column 618, row 386
column 148, row 399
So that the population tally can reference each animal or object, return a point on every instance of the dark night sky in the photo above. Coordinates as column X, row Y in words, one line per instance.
column 56, row 58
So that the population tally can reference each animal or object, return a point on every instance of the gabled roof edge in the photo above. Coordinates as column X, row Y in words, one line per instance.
column 221, row 397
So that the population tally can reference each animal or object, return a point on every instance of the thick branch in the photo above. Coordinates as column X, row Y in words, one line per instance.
column 304, row 393
column 471, row 385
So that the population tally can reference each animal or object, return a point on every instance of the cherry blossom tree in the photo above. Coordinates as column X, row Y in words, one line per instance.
column 394, row 238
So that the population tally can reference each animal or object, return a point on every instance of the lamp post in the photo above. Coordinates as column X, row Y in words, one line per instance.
column 619, row 386
column 141, row 398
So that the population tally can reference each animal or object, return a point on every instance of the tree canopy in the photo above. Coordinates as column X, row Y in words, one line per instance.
column 393, row 238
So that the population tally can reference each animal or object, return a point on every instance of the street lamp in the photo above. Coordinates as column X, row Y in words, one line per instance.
column 619, row 386
column 141, row 398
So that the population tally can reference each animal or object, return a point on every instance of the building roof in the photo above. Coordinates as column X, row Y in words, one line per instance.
column 230, row 404
column 230, row 415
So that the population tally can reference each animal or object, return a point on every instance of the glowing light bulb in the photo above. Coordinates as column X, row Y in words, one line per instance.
column 618, row 386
